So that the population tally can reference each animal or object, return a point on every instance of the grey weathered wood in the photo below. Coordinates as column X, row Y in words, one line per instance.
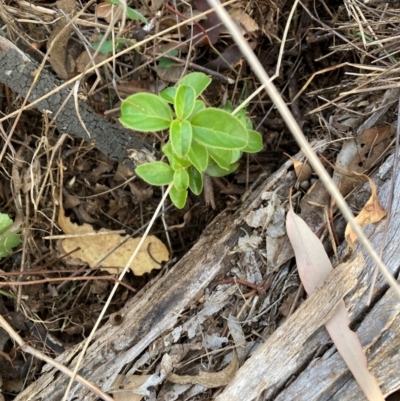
column 278, row 355
column 328, row 377
column 149, row 316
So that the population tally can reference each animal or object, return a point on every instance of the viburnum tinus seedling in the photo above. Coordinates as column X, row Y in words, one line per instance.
column 201, row 139
column 8, row 239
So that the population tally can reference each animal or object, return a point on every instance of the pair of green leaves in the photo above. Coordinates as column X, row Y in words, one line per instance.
column 201, row 140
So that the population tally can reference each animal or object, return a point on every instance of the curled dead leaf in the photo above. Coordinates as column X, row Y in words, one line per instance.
column 303, row 170
column 372, row 212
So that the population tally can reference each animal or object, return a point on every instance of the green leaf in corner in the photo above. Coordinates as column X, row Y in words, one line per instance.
column 178, row 198
column 195, row 180
column 155, row 173
column 197, row 80
column 218, row 129
column 181, row 179
column 181, row 137
column 255, row 143
column 145, row 112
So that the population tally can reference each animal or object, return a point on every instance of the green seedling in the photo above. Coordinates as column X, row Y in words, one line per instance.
column 8, row 239
column 202, row 140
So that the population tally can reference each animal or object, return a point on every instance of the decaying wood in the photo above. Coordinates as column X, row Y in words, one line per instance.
column 148, row 317
column 17, row 71
column 278, row 356
column 157, row 309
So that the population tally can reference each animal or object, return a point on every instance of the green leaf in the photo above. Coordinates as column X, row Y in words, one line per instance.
column 5, row 221
column 165, row 62
column 181, row 179
column 134, row 15
column 8, row 240
column 180, row 135
column 216, row 171
column 221, row 156
column 236, row 155
column 197, row 80
column 218, row 129
column 184, row 101
column 198, row 155
column 106, row 47
column 198, row 106
column 195, row 180
column 145, row 112
column 255, row 142
column 175, row 161
column 155, row 173
column 168, row 94
column 228, row 106
column 242, row 116
column 178, row 198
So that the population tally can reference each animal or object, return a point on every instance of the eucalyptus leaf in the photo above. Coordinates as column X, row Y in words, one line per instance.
column 145, row 112
column 218, row 129
column 181, row 137
column 184, row 101
column 197, row 80
column 177, row 197
column 155, row 173
column 195, row 180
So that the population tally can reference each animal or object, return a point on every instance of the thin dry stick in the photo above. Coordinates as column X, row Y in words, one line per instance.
column 110, row 297
column 30, row 350
column 278, row 65
column 302, row 141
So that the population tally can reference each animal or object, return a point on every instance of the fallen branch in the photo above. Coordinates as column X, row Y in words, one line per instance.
column 17, row 71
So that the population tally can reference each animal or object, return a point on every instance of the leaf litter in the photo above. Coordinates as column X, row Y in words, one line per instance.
column 270, row 216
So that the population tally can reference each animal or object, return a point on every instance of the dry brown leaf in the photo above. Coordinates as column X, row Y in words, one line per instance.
column 92, row 248
column 248, row 24
column 125, row 388
column 303, row 170
column 358, row 155
column 372, row 212
column 58, row 54
column 210, row 379
column 314, row 267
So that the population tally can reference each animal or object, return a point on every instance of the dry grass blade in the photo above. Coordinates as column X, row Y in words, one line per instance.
column 302, row 141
